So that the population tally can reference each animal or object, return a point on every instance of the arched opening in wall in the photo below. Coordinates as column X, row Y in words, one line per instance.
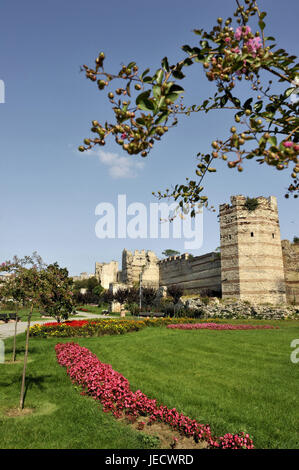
column 273, row 235
column 252, row 234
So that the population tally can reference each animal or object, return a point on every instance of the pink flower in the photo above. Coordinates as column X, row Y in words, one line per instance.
column 239, row 32
column 124, row 135
column 228, row 39
column 287, row 144
column 254, row 44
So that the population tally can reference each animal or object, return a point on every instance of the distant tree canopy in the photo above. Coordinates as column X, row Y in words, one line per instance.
column 170, row 252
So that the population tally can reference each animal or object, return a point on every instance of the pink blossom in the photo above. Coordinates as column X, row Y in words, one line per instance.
column 239, row 32
column 254, row 44
column 217, row 326
column 227, row 39
column 287, row 144
column 124, row 135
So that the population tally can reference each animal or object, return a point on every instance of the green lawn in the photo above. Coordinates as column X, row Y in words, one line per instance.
column 98, row 310
column 233, row 380
column 23, row 314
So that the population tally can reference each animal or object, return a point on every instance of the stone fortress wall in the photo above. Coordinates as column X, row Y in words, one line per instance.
column 290, row 254
column 198, row 274
column 253, row 263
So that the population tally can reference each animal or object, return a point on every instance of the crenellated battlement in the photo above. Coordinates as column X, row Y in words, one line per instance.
column 239, row 203
column 176, row 258
column 253, row 263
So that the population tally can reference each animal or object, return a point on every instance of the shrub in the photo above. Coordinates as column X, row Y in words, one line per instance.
column 175, row 292
column 148, row 296
column 133, row 308
column 251, row 204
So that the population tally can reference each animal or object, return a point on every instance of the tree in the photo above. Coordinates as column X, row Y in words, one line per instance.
column 296, row 239
column 133, row 295
column 121, row 295
column 106, row 296
column 57, row 296
column 265, row 127
column 175, row 292
column 29, row 285
column 170, row 252
column 148, row 296
column 9, row 289
column 97, row 290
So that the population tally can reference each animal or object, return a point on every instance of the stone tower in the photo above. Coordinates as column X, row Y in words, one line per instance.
column 141, row 262
column 251, row 253
column 106, row 273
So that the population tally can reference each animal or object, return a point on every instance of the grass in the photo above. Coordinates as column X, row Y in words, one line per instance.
column 23, row 313
column 98, row 310
column 233, row 380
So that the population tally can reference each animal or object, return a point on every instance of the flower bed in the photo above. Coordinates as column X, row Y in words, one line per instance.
column 99, row 327
column 112, row 389
column 219, row 326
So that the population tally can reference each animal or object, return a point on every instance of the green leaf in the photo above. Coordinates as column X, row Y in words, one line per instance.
column 165, row 64
column 160, row 75
column 144, row 73
column 289, row 91
column 247, row 104
column 161, row 118
column 187, row 49
column 223, row 100
column 156, row 91
column 258, row 106
column 176, row 89
column 131, row 64
column 143, row 102
column 272, row 140
column 148, row 79
column 178, row 74
column 262, row 25
column 188, row 61
column 236, row 101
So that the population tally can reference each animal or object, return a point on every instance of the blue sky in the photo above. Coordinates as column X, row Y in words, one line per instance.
column 49, row 191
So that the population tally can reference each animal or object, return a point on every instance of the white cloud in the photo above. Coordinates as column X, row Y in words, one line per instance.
column 119, row 166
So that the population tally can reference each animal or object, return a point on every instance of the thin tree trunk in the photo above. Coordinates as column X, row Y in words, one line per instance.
column 14, row 339
column 25, row 360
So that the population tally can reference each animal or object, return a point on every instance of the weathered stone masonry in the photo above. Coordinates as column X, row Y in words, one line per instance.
column 199, row 274
column 254, row 264
column 251, row 254
column 290, row 252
